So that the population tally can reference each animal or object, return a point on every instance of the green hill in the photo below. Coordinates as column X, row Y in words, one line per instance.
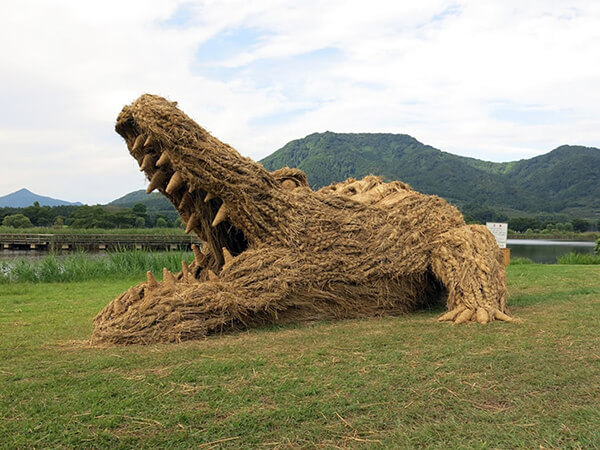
column 566, row 180
column 155, row 203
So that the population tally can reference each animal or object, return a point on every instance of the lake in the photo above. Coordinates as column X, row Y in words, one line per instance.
column 545, row 250
column 538, row 250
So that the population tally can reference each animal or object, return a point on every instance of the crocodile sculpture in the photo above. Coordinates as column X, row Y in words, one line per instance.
column 275, row 251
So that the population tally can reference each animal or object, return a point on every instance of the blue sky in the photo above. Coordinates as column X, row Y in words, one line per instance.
column 496, row 80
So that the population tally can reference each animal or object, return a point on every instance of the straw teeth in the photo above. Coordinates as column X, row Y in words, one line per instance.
column 163, row 160
column 192, row 223
column 156, row 181
column 221, row 215
column 197, row 254
column 175, row 183
column 227, row 256
column 149, row 142
column 168, row 277
column 186, row 201
column 137, row 145
column 147, row 163
column 151, row 280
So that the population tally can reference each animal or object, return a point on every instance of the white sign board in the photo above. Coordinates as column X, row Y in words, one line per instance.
column 500, row 232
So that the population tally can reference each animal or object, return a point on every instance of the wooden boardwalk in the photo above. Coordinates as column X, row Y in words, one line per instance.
column 95, row 242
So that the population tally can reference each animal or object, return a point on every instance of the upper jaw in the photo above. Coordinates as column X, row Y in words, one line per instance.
column 203, row 212
column 228, row 200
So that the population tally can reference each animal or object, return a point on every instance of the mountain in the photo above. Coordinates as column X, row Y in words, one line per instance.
column 24, row 197
column 154, row 202
column 566, row 180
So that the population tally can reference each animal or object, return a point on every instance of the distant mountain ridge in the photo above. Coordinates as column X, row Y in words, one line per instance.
column 566, row 180
column 24, row 197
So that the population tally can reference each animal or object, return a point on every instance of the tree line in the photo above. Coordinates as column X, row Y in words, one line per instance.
column 86, row 216
column 138, row 216
column 538, row 223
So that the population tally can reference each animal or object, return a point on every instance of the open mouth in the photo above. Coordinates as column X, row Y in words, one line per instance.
column 203, row 210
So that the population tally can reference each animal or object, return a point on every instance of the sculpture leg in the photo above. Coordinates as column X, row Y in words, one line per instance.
column 468, row 262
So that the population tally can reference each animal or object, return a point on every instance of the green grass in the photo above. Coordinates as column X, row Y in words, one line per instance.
column 399, row 382
column 578, row 258
column 81, row 267
column 520, row 261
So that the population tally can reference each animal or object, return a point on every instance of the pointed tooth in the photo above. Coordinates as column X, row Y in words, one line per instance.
column 197, row 254
column 174, row 183
column 151, row 280
column 185, row 270
column 209, row 197
column 212, row 276
column 204, row 249
column 149, row 142
column 168, row 276
column 227, row 256
column 186, row 201
column 157, row 180
column 137, row 145
column 163, row 160
column 221, row 215
column 147, row 163
column 192, row 223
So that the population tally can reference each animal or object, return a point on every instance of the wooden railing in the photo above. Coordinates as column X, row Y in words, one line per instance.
column 94, row 241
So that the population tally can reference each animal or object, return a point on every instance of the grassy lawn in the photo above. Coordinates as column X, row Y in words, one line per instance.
column 389, row 382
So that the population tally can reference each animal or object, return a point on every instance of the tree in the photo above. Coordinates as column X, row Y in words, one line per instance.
column 17, row 221
column 140, row 222
column 580, row 225
column 522, row 224
column 161, row 222
column 140, row 209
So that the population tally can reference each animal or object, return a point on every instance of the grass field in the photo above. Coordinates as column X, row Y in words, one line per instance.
column 399, row 382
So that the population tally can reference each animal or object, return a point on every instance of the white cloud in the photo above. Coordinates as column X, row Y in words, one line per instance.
column 496, row 80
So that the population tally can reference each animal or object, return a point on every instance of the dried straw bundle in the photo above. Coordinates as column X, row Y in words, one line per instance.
column 275, row 251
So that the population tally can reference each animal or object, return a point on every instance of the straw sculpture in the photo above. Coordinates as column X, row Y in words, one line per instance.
column 275, row 251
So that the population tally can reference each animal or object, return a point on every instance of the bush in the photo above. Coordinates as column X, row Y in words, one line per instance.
column 161, row 223
column 578, row 258
column 17, row 221
column 580, row 225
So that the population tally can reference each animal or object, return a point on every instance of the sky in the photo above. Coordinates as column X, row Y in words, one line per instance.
column 495, row 80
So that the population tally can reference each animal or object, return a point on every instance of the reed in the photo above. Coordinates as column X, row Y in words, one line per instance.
column 520, row 261
column 84, row 266
column 578, row 258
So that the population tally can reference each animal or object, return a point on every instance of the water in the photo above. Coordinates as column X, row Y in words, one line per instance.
column 545, row 250
column 538, row 250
